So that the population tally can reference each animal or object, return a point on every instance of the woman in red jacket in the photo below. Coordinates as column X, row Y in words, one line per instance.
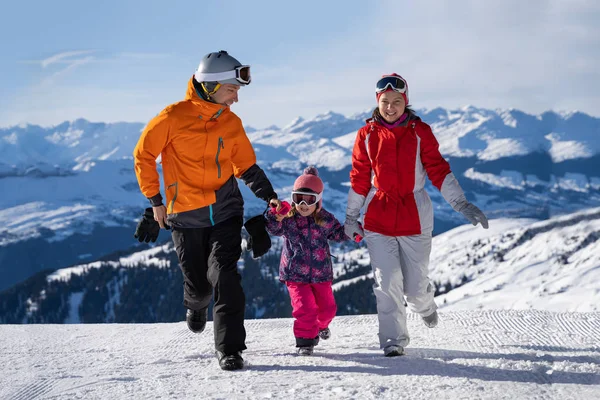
column 392, row 155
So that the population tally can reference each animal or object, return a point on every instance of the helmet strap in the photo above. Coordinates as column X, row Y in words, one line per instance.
column 210, row 93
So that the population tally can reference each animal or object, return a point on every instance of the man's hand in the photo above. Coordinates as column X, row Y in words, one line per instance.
column 160, row 216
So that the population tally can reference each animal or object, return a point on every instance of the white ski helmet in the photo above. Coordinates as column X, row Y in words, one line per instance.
column 222, row 68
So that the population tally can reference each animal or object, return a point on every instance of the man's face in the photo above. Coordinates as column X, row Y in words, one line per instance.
column 227, row 94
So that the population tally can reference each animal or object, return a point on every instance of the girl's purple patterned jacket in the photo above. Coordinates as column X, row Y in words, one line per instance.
column 305, row 257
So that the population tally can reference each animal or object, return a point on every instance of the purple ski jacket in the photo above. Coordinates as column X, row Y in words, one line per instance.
column 305, row 256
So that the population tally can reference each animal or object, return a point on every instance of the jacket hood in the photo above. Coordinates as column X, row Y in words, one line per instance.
column 207, row 108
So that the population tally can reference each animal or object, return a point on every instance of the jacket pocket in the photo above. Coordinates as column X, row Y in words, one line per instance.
column 221, row 145
column 381, row 212
column 175, row 188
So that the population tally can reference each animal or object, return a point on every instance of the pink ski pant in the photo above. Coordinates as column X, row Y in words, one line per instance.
column 313, row 307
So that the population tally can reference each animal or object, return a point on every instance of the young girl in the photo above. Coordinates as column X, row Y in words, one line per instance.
column 392, row 155
column 305, row 265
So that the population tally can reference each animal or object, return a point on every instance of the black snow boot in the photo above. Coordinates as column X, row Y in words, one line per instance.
column 305, row 350
column 325, row 333
column 393, row 351
column 230, row 362
column 196, row 319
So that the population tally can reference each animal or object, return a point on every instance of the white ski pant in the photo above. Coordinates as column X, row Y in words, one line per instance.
column 400, row 267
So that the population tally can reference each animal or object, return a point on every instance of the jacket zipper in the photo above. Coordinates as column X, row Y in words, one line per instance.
column 220, row 146
column 310, row 276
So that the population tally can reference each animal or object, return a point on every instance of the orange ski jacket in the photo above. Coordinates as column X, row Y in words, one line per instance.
column 202, row 145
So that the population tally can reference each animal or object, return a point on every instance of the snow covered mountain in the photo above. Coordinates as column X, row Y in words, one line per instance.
column 71, row 195
column 518, row 264
column 470, row 355
column 549, row 265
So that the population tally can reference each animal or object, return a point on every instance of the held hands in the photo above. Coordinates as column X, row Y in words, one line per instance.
column 280, row 209
column 352, row 228
column 275, row 203
column 473, row 214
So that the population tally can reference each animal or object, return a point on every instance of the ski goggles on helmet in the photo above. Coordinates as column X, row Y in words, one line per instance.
column 307, row 198
column 240, row 74
column 396, row 83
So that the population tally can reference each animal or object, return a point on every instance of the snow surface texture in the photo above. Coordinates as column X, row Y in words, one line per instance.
column 470, row 355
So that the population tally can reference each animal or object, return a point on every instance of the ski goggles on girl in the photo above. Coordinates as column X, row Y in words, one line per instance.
column 396, row 83
column 240, row 74
column 307, row 198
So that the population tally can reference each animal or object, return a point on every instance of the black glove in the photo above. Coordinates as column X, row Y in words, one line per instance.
column 147, row 229
column 259, row 241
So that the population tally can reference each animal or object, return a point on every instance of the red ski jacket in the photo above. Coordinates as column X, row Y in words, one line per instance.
column 389, row 167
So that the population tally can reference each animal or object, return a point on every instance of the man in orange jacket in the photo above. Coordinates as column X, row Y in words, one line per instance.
column 203, row 149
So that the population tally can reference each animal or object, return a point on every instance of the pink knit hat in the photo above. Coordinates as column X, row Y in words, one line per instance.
column 310, row 180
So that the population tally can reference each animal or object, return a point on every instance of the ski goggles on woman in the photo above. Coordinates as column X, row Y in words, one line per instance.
column 241, row 74
column 309, row 199
column 396, row 83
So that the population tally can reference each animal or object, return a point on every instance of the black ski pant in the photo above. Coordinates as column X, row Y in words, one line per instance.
column 208, row 258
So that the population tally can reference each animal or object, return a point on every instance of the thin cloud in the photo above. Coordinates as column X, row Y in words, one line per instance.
column 64, row 57
column 72, row 65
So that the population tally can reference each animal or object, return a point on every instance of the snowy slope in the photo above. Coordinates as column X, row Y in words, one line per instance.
column 549, row 265
column 106, row 193
column 470, row 355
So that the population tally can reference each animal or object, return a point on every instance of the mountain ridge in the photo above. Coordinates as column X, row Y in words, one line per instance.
column 74, row 186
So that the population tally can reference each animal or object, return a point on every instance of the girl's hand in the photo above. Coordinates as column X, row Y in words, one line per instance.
column 275, row 203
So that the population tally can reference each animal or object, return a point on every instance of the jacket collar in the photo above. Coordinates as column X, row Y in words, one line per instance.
column 207, row 109
column 412, row 118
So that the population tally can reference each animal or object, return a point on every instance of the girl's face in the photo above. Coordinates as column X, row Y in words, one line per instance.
column 391, row 106
column 305, row 210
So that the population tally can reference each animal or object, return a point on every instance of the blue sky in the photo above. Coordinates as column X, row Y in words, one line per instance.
column 126, row 60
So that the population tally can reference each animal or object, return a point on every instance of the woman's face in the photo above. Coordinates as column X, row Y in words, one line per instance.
column 391, row 106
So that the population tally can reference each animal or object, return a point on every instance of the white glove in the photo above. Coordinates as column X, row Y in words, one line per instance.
column 472, row 213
